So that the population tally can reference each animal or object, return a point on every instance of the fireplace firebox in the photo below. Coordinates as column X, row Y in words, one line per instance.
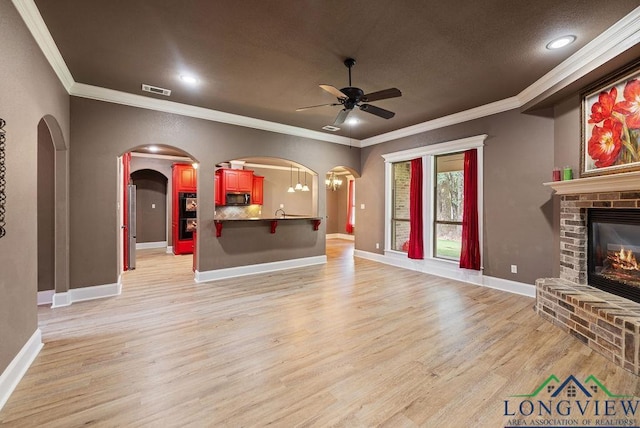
column 613, row 251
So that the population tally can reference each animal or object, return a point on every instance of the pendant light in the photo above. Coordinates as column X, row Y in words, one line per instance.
column 291, row 190
column 299, row 185
column 305, row 188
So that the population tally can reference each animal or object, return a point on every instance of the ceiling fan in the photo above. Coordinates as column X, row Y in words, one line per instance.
column 351, row 97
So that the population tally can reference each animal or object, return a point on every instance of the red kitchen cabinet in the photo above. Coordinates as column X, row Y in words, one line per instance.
column 219, row 195
column 232, row 181
column 257, row 193
column 184, row 208
column 236, row 180
column 245, row 181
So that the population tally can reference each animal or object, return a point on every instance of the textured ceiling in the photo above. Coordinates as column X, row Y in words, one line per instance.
column 263, row 59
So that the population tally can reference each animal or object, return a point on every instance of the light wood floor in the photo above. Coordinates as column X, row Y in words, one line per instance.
column 351, row 343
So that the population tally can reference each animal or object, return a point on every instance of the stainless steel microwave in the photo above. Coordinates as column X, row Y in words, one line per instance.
column 237, row 198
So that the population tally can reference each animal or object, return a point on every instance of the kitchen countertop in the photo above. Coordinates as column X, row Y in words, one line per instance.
column 286, row 217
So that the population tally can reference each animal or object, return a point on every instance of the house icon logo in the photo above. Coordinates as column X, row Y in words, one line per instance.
column 572, row 402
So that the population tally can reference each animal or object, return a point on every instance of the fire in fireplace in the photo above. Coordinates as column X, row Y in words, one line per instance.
column 613, row 245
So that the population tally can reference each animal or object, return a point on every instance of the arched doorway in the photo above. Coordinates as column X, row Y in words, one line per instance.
column 340, row 202
column 52, row 213
column 150, row 170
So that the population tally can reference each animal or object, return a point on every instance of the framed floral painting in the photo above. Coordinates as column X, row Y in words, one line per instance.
column 611, row 125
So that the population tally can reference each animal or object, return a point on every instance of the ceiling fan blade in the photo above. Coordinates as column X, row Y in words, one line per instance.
column 319, row 105
column 342, row 116
column 386, row 114
column 333, row 91
column 382, row 95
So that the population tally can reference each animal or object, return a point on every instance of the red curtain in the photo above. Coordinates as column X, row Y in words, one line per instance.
column 470, row 252
column 416, row 247
column 126, row 168
column 349, row 227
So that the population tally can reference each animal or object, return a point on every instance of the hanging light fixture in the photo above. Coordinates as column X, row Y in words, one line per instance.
column 333, row 182
column 299, row 185
column 305, row 188
column 291, row 190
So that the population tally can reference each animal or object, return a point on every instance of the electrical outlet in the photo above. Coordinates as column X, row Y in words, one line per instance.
column 514, row 268
column 153, row 205
column 377, row 245
column 281, row 205
column 361, row 206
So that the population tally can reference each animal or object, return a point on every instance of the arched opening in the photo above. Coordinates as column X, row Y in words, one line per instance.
column 340, row 188
column 52, row 213
column 46, row 211
column 285, row 186
column 150, row 196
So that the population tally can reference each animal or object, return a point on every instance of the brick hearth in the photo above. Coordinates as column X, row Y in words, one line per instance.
column 606, row 323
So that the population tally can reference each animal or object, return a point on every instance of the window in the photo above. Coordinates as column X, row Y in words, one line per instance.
column 400, row 202
column 443, row 172
column 448, row 204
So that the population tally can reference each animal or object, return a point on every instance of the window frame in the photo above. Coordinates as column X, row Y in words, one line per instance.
column 428, row 154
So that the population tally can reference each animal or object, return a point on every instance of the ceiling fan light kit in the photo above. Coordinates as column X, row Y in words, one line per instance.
column 351, row 97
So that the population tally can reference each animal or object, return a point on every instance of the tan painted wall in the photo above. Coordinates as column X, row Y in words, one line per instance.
column 29, row 90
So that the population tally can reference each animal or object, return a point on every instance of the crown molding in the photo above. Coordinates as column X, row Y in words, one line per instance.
column 452, row 119
column 461, row 144
column 134, row 100
column 32, row 18
column 621, row 36
column 612, row 42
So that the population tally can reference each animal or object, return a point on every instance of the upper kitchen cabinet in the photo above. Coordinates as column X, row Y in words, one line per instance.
column 236, row 180
column 257, row 194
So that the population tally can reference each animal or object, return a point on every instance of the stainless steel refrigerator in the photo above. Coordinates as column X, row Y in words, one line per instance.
column 131, row 220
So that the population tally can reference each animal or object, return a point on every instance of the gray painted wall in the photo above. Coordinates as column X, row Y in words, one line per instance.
column 46, row 209
column 164, row 167
column 518, row 211
column 276, row 183
column 103, row 131
column 29, row 90
column 337, row 208
column 151, row 205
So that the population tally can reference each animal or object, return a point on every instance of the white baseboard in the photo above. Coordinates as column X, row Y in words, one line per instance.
column 450, row 271
column 86, row 293
column 170, row 249
column 214, row 275
column 341, row 236
column 147, row 245
column 16, row 369
column 45, row 297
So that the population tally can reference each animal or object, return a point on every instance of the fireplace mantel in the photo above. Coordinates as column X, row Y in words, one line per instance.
column 602, row 183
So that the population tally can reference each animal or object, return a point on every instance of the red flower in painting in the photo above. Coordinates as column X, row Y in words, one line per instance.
column 602, row 109
column 604, row 144
column 630, row 107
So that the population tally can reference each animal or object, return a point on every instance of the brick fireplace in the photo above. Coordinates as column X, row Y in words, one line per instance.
column 607, row 323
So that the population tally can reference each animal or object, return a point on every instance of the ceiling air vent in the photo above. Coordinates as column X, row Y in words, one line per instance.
column 330, row 128
column 156, row 90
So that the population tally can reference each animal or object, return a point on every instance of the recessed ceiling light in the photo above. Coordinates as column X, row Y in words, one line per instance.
column 330, row 128
column 561, row 42
column 188, row 79
column 153, row 149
